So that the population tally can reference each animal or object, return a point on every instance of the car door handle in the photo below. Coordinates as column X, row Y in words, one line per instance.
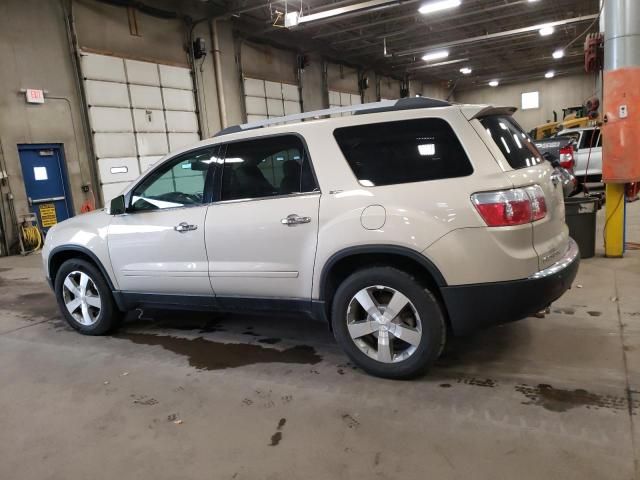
column 185, row 227
column 293, row 219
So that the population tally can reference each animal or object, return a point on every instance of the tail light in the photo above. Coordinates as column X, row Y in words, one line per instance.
column 511, row 207
column 566, row 157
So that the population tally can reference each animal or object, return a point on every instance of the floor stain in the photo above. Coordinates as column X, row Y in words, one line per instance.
column 209, row 355
column 594, row 313
column 445, row 385
column 478, row 382
column 5, row 269
column 281, row 423
column 35, row 305
column 350, row 421
column 275, row 439
column 566, row 311
column 560, row 400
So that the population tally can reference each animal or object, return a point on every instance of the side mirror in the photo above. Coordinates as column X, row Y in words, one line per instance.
column 117, row 206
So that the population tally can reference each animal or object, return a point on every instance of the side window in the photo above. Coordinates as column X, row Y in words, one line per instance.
column 589, row 138
column 178, row 183
column 599, row 144
column 403, row 151
column 266, row 167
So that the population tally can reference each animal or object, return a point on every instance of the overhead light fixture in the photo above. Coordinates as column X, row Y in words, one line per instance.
column 558, row 53
column 428, row 57
column 550, row 74
column 294, row 18
column 438, row 6
column 546, row 30
column 531, row 1
column 465, row 70
column 494, row 83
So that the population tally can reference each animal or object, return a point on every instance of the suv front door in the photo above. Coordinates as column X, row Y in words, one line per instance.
column 262, row 229
column 158, row 246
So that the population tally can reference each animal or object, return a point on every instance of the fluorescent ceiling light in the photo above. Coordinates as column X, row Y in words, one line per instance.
column 427, row 57
column 465, row 70
column 558, row 54
column 549, row 74
column 494, row 83
column 438, row 5
column 546, row 30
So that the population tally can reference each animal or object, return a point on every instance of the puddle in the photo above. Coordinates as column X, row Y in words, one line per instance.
column 35, row 305
column 5, row 269
column 566, row 311
column 559, row 400
column 209, row 355
column 594, row 313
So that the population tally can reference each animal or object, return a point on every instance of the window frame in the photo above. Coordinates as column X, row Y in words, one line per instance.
column 453, row 130
column 208, row 195
column 217, row 187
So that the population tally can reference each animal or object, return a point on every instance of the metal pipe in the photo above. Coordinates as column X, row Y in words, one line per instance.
column 222, row 106
column 491, row 36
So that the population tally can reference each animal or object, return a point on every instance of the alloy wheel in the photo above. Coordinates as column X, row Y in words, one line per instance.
column 384, row 324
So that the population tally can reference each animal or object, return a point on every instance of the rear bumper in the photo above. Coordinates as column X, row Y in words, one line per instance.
column 471, row 307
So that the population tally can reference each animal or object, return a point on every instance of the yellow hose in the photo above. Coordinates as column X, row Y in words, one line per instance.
column 31, row 238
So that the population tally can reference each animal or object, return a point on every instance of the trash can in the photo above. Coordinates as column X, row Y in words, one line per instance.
column 580, row 216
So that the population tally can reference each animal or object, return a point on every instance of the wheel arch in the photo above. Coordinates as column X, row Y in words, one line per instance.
column 346, row 261
column 62, row 253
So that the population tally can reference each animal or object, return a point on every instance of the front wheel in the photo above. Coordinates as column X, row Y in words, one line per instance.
column 388, row 323
column 85, row 299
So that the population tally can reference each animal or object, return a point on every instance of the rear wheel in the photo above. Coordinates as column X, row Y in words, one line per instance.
column 85, row 299
column 388, row 323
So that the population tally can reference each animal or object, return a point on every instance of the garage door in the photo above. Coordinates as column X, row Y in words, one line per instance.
column 138, row 111
column 342, row 99
column 265, row 99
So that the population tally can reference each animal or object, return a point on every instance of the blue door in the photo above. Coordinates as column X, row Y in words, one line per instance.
column 45, row 180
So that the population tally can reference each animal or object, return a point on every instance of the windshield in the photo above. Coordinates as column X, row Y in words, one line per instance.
column 516, row 146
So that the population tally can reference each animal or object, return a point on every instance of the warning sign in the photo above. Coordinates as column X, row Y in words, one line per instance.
column 48, row 215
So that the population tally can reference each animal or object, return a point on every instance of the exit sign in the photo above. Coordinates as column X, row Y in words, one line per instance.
column 34, row 96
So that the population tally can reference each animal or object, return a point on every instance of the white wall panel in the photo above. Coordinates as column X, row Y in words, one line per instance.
column 146, row 120
column 152, row 144
column 291, row 108
column 334, row 98
column 275, row 108
column 181, row 121
column 114, row 144
column 175, row 77
column 256, row 118
column 273, row 89
column 114, row 170
column 138, row 111
column 103, row 67
column 107, row 119
column 256, row 105
column 179, row 140
column 145, row 97
column 254, row 87
column 355, row 99
column 142, row 73
column 290, row 92
column 175, row 99
column 112, row 190
column 147, row 162
column 106, row 94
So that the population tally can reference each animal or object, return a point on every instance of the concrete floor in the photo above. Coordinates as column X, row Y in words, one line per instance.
column 190, row 396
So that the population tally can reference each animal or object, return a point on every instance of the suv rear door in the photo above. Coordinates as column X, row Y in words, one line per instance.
column 524, row 166
column 262, row 229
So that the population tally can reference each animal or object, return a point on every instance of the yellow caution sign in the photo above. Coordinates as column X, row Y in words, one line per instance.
column 48, row 215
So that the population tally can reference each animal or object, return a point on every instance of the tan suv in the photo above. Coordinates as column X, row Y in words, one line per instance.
column 397, row 222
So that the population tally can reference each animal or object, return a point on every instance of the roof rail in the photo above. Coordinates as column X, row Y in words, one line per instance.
column 374, row 107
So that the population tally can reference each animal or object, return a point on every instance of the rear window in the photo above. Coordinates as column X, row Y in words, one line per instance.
column 402, row 152
column 515, row 145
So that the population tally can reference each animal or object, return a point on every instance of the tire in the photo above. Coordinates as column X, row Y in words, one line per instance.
column 421, row 321
column 102, row 314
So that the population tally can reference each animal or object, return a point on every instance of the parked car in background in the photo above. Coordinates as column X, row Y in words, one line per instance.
column 398, row 225
column 587, row 145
